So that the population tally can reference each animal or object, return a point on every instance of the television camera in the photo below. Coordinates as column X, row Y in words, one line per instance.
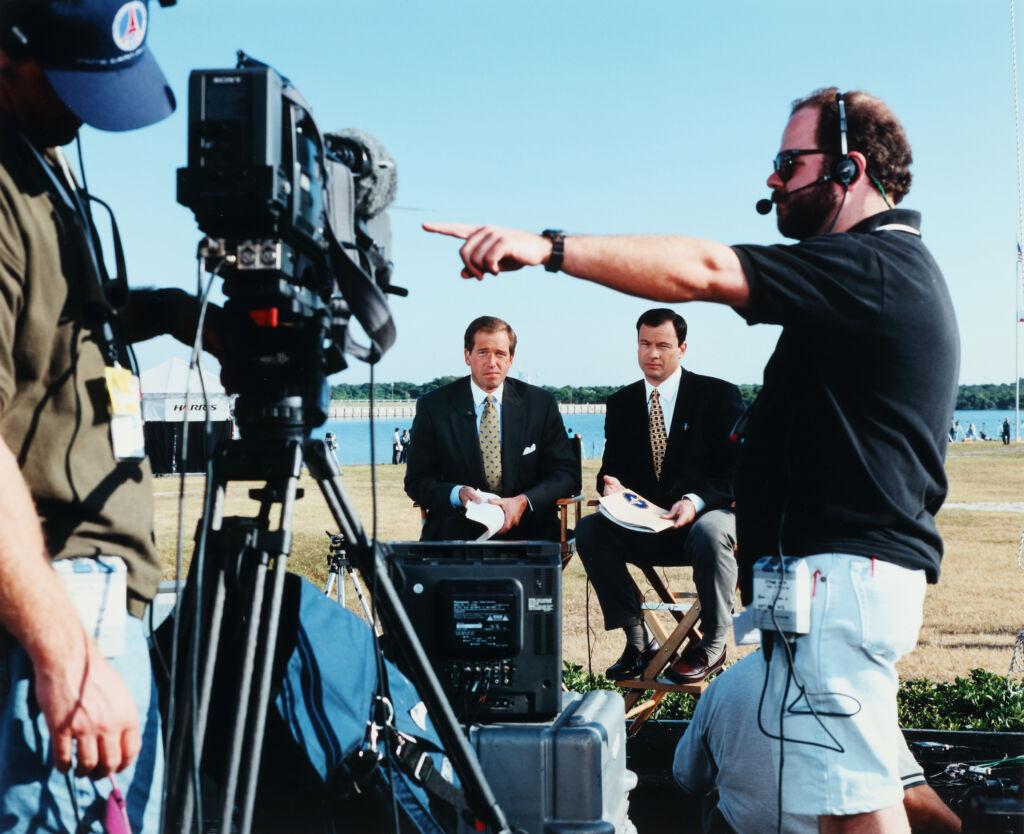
column 296, row 225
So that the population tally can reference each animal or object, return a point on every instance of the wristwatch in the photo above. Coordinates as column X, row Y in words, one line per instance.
column 557, row 238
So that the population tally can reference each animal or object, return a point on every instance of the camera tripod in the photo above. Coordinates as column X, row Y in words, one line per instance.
column 251, row 539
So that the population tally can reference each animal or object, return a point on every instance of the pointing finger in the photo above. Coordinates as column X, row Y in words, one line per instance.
column 461, row 230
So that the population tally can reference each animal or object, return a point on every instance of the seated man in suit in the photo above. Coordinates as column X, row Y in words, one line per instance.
column 486, row 432
column 667, row 438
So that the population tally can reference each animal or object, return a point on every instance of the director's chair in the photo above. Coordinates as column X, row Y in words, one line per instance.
column 673, row 641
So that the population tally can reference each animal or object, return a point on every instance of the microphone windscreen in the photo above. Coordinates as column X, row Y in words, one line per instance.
column 377, row 184
column 763, row 206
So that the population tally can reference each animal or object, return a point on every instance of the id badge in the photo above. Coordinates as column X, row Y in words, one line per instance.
column 125, row 393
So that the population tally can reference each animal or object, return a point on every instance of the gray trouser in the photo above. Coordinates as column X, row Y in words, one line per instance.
column 707, row 544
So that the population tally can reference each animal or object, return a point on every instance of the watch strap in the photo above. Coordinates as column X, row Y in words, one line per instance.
column 557, row 238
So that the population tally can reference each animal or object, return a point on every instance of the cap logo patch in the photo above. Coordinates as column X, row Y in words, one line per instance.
column 129, row 29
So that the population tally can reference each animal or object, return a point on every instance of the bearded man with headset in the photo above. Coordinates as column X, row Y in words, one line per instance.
column 841, row 463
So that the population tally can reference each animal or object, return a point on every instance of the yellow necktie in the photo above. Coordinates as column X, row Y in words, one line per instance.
column 659, row 440
column 490, row 444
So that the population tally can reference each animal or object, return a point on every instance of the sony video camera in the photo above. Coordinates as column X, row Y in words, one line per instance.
column 296, row 227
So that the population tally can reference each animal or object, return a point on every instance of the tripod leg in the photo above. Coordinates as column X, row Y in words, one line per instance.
column 185, row 743
column 241, row 715
column 359, row 593
column 263, row 695
column 188, row 737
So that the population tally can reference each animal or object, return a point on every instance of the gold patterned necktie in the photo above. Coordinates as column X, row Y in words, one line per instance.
column 659, row 440
column 490, row 444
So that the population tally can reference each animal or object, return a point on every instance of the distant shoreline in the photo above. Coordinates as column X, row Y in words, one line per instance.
column 407, row 410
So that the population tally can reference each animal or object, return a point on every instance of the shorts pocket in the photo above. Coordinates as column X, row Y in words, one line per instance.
column 890, row 601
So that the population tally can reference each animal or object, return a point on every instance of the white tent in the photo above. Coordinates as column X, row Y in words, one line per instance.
column 163, row 412
column 164, row 388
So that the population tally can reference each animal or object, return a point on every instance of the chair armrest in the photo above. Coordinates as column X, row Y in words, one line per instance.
column 563, row 505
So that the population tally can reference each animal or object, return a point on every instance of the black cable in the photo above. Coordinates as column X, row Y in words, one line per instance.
column 835, row 220
column 782, row 746
column 198, row 557
column 81, row 161
column 590, row 650
column 207, row 504
column 378, row 652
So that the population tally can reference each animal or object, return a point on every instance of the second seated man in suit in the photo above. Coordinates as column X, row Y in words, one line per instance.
column 667, row 438
column 486, row 432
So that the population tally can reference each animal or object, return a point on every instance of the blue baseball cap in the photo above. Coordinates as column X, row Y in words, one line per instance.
column 95, row 57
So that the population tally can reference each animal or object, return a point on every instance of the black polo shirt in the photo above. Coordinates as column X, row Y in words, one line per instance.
column 845, row 447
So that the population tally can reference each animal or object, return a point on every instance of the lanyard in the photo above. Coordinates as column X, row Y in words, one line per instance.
column 66, row 191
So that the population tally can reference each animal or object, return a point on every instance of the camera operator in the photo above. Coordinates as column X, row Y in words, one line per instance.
column 842, row 458
column 75, row 483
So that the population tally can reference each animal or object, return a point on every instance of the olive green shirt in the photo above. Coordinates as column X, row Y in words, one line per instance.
column 54, row 412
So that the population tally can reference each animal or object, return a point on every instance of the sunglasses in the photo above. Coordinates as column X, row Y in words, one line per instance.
column 785, row 162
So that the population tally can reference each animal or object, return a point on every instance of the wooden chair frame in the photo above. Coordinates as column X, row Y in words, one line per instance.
column 672, row 644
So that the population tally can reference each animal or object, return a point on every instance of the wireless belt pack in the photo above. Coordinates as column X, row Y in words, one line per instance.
column 791, row 602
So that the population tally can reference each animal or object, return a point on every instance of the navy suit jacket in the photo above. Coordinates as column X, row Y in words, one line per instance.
column 700, row 457
column 537, row 458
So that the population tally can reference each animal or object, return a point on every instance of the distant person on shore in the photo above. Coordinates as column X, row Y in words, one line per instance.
column 396, row 447
column 1006, row 431
column 488, row 433
column 972, row 432
column 406, row 441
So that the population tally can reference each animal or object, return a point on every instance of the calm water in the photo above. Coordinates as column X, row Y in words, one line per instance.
column 354, row 435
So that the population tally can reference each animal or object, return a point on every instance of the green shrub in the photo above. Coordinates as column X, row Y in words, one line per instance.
column 983, row 702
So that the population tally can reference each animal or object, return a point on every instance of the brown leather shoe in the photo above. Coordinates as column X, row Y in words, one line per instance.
column 694, row 666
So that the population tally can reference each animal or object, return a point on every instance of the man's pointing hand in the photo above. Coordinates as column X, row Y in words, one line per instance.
column 490, row 249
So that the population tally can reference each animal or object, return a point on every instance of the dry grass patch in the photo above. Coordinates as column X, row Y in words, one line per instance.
column 985, row 472
column 971, row 616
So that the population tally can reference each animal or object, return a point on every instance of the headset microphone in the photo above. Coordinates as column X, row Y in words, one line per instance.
column 764, row 205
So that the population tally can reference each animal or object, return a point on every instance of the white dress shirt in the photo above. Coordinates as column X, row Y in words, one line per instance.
column 668, row 395
column 479, row 397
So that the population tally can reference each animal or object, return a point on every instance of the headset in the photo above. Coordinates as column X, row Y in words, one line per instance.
column 846, row 168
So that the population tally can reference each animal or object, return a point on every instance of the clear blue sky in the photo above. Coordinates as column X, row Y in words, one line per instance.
column 597, row 117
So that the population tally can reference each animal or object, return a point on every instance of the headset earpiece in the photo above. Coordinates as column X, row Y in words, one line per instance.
column 846, row 170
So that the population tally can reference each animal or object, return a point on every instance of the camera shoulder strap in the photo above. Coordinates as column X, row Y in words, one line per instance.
column 358, row 285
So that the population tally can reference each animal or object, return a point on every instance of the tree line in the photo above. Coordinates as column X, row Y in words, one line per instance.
column 998, row 396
